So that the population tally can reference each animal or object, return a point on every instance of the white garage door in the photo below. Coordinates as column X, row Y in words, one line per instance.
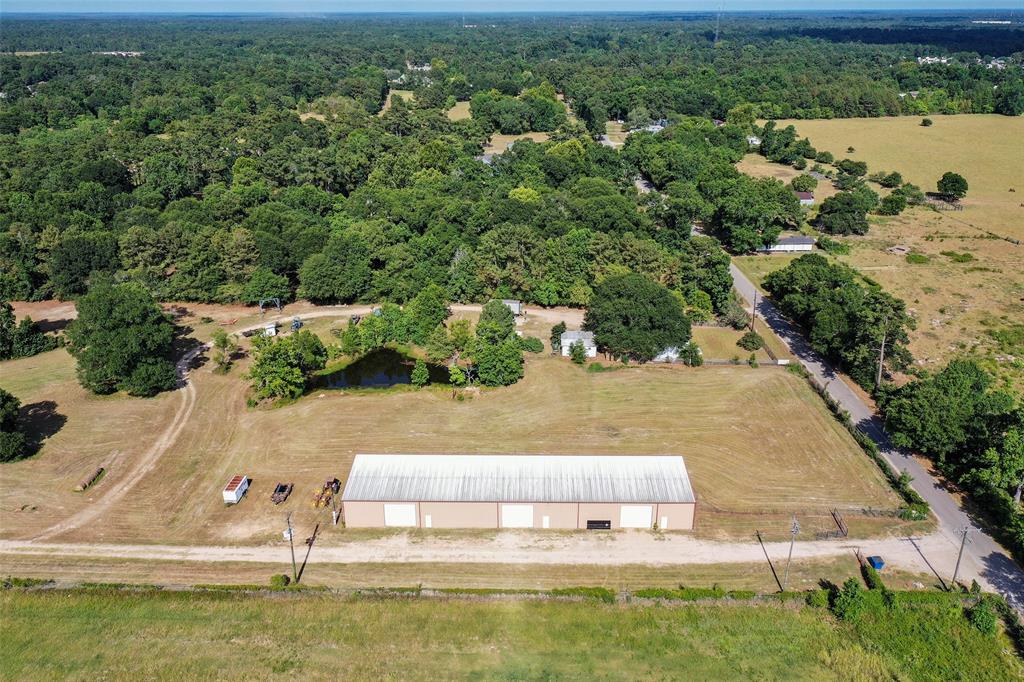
column 636, row 516
column 399, row 514
column 517, row 516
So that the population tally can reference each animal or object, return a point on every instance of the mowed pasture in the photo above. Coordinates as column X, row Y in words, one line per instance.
column 499, row 142
column 955, row 303
column 755, row 440
column 408, row 95
column 104, row 633
column 459, row 112
column 757, row 166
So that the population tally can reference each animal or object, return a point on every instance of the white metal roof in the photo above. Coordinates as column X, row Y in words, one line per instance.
column 570, row 336
column 519, row 478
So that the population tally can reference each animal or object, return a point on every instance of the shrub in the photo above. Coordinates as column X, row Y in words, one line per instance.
column 958, row 257
column 926, row 122
column 420, row 374
column 849, row 602
column 691, row 355
column 894, row 204
column 751, row 341
column 817, row 599
column 556, row 337
column 916, row 258
column 752, row 361
column 833, row 246
column 982, row 617
column 531, row 344
column 871, row 577
column 279, row 581
column 578, row 353
column 598, row 593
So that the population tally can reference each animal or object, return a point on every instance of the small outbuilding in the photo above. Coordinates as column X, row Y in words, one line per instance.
column 670, row 354
column 586, row 338
column 515, row 306
column 235, row 489
column 753, row 141
column 270, row 329
column 806, row 198
column 596, row 492
column 794, row 244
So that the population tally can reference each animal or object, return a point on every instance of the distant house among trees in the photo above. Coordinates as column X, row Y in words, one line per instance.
column 791, row 244
column 806, row 198
column 586, row 339
column 753, row 140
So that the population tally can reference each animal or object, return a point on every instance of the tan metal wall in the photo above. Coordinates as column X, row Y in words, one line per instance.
column 459, row 514
column 363, row 514
column 562, row 515
column 680, row 516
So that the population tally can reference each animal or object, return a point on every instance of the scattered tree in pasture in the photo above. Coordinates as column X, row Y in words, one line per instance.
column 953, row 186
column 122, row 340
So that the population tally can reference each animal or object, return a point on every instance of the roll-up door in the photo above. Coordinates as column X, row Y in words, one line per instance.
column 400, row 515
column 517, row 516
column 636, row 516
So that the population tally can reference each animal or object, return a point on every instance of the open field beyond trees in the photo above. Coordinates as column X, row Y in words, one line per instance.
column 104, row 633
column 973, row 281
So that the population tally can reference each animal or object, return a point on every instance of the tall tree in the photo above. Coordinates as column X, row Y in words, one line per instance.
column 122, row 340
column 633, row 317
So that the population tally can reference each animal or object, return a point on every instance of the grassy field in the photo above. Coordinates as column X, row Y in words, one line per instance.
column 957, row 300
column 498, row 143
column 459, row 112
column 408, row 95
column 90, row 634
column 754, row 441
column 616, row 134
column 719, row 343
column 757, row 166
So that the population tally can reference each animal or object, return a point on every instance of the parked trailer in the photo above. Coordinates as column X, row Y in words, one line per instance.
column 235, row 489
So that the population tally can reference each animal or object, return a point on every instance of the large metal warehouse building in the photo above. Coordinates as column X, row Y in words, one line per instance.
column 519, row 491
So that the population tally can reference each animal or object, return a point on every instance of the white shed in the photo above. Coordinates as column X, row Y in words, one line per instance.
column 235, row 489
column 270, row 329
column 515, row 306
column 753, row 140
column 586, row 338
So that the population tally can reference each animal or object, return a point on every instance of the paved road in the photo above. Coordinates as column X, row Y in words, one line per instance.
column 983, row 556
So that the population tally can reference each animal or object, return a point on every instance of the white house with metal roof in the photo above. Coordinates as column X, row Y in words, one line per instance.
column 795, row 243
column 600, row 492
column 586, row 338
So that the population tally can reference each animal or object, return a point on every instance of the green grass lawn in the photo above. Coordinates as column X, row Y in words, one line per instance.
column 91, row 634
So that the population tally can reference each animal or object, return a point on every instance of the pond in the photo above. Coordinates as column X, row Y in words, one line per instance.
column 378, row 369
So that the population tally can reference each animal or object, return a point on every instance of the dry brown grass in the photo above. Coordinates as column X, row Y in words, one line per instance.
column 955, row 304
column 459, row 112
column 757, row 166
column 499, row 142
column 754, row 440
column 408, row 95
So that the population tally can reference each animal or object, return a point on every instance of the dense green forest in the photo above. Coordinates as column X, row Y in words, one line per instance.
column 238, row 158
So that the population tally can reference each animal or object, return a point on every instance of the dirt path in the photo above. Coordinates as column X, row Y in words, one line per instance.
column 146, row 462
column 518, row 547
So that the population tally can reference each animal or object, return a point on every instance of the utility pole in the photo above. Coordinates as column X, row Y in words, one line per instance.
column 881, row 352
column 291, row 542
column 963, row 541
column 794, row 529
column 753, row 312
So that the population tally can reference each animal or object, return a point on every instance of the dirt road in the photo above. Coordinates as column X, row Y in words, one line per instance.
column 521, row 547
column 113, row 493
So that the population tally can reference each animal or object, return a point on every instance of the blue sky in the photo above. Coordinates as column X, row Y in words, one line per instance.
column 196, row 6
